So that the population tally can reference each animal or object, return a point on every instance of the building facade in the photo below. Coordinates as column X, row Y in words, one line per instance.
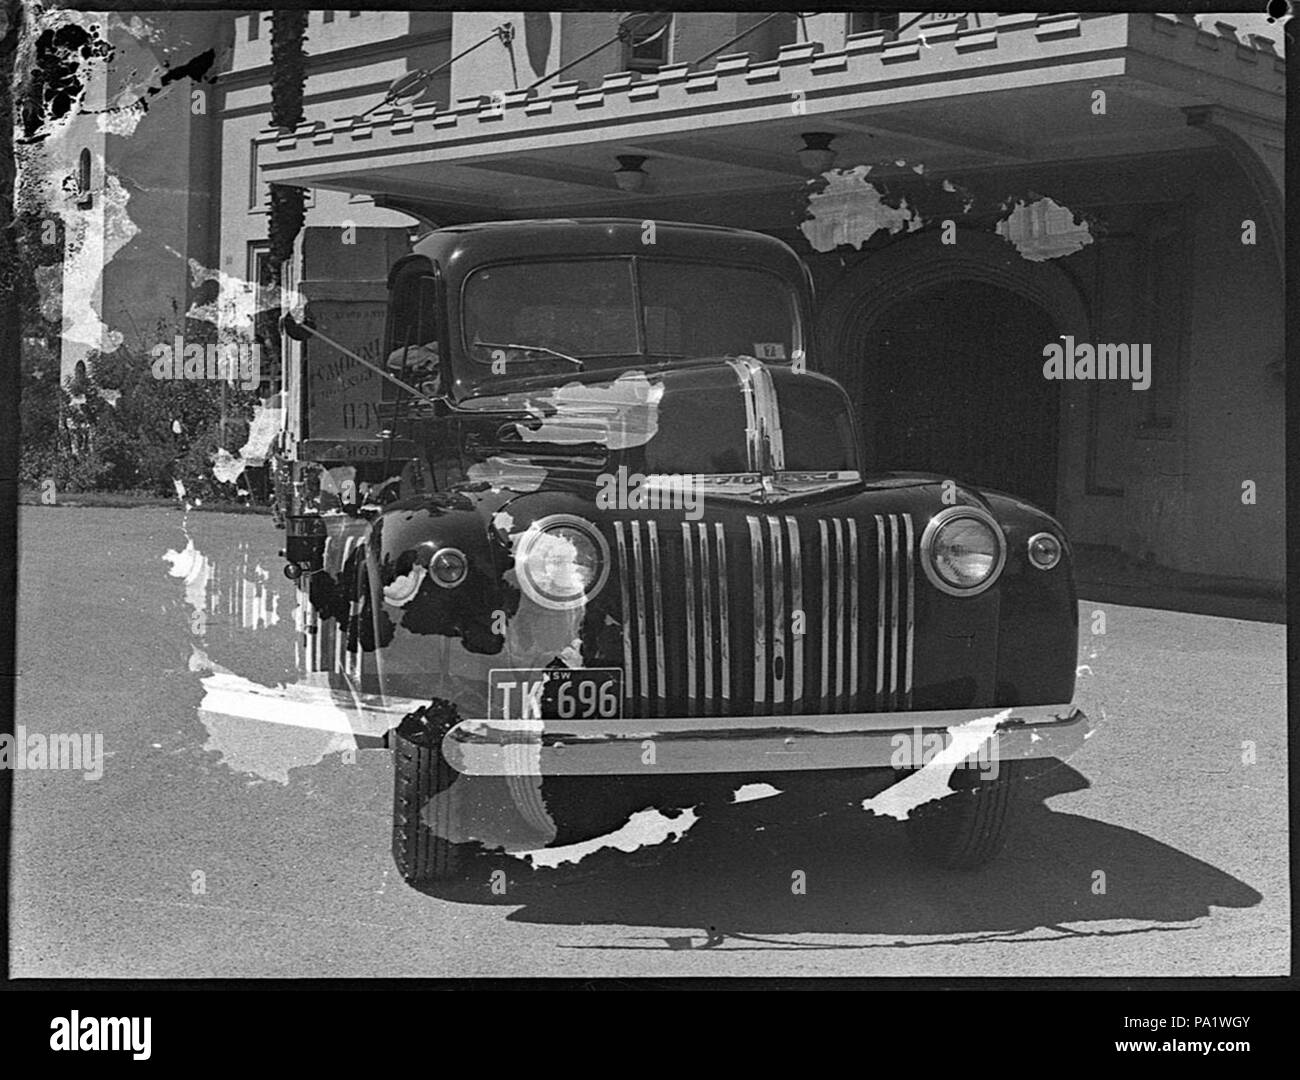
column 978, row 198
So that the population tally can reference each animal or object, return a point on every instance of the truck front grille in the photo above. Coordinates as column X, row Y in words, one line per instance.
column 784, row 617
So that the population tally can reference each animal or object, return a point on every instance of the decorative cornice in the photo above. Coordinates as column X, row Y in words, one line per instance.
column 803, row 66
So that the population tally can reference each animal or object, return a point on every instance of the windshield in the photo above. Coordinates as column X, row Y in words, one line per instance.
column 659, row 309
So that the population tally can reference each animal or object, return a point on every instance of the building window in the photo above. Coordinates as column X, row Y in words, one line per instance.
column 84, row 197
column 259, row 197
column 648, row 51
column 862, row 22
column 259, row 252
column 254, row 26
column 327, row 16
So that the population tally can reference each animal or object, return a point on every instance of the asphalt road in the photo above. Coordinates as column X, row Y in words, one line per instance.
column 223, row 848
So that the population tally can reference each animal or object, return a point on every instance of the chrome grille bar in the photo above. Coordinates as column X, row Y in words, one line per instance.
column 657, row 593
column 724, row 620
column 777, row 585
column 880, row 610
column 911, row 612
column 760, row 612
column 706, row 638
column 621, row 543
column 839, row 612
column 689, row 555
column 893, row 611
column 853, row 612
column 822, row 530
column 796, row 611
column 639, row 582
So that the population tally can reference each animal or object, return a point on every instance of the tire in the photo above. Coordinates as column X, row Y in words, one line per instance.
column 967, row 829
column 421, row 821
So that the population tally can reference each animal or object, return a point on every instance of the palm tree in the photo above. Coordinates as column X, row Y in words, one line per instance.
column 288, row 77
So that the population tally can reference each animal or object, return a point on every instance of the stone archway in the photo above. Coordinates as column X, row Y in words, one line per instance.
column 940, row 347
column 916, row 263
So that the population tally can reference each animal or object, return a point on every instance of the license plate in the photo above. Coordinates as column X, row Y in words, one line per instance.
column 555, row 694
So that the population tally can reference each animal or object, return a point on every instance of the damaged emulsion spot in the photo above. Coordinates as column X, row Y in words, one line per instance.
column 851, row 210
column 1043, row 230
column 619, row 415
column 930, row 782
column 238, row 300
column 556, row 565
column 137, row 96
column 66, row 52
column 645, row 828
column 65, row 56
column 754, row 792
column 265, row 731
column 502, row 474
column 262, row 432
column 92, row 240
column 401, row 590
column 256, row 729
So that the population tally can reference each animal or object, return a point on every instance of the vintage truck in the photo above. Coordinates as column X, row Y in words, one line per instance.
column 579, row 523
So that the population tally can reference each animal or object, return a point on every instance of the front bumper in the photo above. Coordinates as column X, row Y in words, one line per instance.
column 738, row 744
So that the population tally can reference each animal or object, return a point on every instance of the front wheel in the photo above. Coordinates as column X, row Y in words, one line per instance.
column 966, row 829
column 424, row 799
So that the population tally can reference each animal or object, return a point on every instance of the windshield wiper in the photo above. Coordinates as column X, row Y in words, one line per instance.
column 532, row 348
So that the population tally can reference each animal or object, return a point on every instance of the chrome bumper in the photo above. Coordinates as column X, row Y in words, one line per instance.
column 753, row 743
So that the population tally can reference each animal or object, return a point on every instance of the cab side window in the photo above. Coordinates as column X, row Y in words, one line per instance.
column 412, row 352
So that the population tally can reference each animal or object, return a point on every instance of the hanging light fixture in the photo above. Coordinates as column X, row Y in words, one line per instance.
column 816, row 155
column 629, row 175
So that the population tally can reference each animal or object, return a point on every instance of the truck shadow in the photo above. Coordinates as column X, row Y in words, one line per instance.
column 737, row 875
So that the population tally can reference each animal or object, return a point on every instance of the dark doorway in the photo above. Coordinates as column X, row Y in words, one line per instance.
column 952, row 383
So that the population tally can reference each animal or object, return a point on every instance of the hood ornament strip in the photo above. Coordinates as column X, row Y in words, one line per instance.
column 766, row 441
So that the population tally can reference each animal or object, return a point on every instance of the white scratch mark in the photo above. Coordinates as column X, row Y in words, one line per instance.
column 930, row 782
column 753, row 792
column 623, row 414
column 645, row 828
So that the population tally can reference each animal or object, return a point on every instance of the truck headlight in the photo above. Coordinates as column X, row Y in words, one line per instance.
column 1044, row 550
column 448, row 567
column 561, row 562
column 962, row 551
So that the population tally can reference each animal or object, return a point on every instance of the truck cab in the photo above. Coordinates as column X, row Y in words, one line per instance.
column 618, row 542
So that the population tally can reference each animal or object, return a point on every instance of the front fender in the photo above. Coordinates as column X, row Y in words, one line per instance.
column 401, row 542
column 1038, row 612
